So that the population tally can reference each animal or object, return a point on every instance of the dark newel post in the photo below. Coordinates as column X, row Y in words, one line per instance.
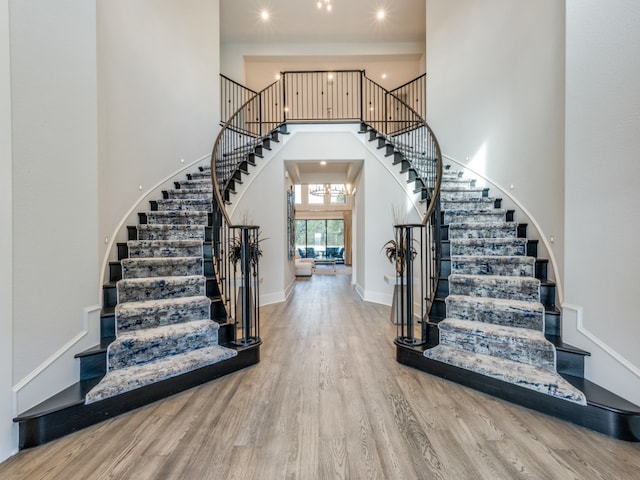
column 245, row 261
column 361, row 97
column 284, row 97
column 259, row 97
column 408, row 258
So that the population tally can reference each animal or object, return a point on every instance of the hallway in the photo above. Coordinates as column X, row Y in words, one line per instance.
column 329, row 401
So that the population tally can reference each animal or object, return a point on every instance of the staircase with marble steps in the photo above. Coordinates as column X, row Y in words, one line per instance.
column 163, row 326
column 495, row 326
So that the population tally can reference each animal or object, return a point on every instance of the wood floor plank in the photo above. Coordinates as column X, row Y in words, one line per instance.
column 328, row 400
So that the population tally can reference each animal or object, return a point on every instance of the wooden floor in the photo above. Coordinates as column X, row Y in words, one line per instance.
column 328, row 401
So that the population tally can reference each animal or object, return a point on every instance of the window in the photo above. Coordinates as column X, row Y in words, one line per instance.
column 297, row 191
column 322, row 239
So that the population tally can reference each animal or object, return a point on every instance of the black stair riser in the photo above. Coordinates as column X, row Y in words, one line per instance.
column 109, row 295
column 433, row 334
column 552, row 323
column 548, row 294
column 438, row 310
column 208, row 267
column 107, row 323
column 389, row 150
column 569, row 363
column 93, row 366
column 115, row 271
column 443, row 287
column 123, row 250
column 542, row 268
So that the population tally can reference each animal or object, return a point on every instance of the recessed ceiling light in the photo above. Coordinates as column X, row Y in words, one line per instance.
column 319, row 4
column 380, row 14
column 323, row 163
column 384, row 75
column 329, row 7
column 264, row 15
column 277, row 76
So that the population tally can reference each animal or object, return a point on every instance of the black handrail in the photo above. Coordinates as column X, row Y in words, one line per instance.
column 325, row 97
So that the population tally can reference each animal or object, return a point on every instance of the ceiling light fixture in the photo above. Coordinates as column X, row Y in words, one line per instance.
column 381, row 14
column 324, row 5
column 264, row 15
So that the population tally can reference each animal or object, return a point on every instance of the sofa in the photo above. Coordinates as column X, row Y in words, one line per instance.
column 304, row 266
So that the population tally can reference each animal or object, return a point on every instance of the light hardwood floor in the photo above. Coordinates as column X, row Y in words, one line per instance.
column 329, row 401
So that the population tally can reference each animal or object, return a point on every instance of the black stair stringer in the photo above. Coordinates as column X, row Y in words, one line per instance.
column 249, row 160
column 66, row 412
column 605, row 412
column 398, row 158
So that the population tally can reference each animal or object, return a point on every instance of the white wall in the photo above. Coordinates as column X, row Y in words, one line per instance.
column 378, row 189
column 7, row 430
column 234, row 58
column 495, row 97
column 158, row 66
column 54, row 135
column 601, row 189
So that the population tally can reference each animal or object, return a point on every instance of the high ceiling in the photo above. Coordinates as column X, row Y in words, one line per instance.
column 301, row 21
column 327, row 39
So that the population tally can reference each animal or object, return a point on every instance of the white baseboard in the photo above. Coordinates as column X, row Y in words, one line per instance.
column 269, row 298
column 606, row 367
column 61, row 369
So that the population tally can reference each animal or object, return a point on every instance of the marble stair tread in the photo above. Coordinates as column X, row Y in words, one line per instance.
column 201, row 175
column 195, row 183
column 462, row 230
column 178, row 217
column 488, row 246
column 479, row 203
column 184, row 204
column 495, row 286
column 518, row 265
column 191, row 193
column 171, row 232
column 126, row 379
column 510, row 343
column 165, row 248
column 475, row 215
column 527, row 376
column 454, row 193
column 140, row 289
column 155, row 313
column 512, row 313
column 141, row 346
column 161, row 267
column 457, row 183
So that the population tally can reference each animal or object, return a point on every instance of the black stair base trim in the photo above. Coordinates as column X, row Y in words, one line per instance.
column 605, row 412
column 66, row 412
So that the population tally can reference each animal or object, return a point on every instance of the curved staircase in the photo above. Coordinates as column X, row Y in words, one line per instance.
column 494, row 325
column 164, row 327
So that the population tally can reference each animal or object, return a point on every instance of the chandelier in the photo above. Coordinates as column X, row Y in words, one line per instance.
column 327, row 190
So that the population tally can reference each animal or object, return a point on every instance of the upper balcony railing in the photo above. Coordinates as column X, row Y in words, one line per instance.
column 397, row 119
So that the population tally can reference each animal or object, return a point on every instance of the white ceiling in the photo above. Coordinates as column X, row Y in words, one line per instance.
column 299, row 22
column 302, row 21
